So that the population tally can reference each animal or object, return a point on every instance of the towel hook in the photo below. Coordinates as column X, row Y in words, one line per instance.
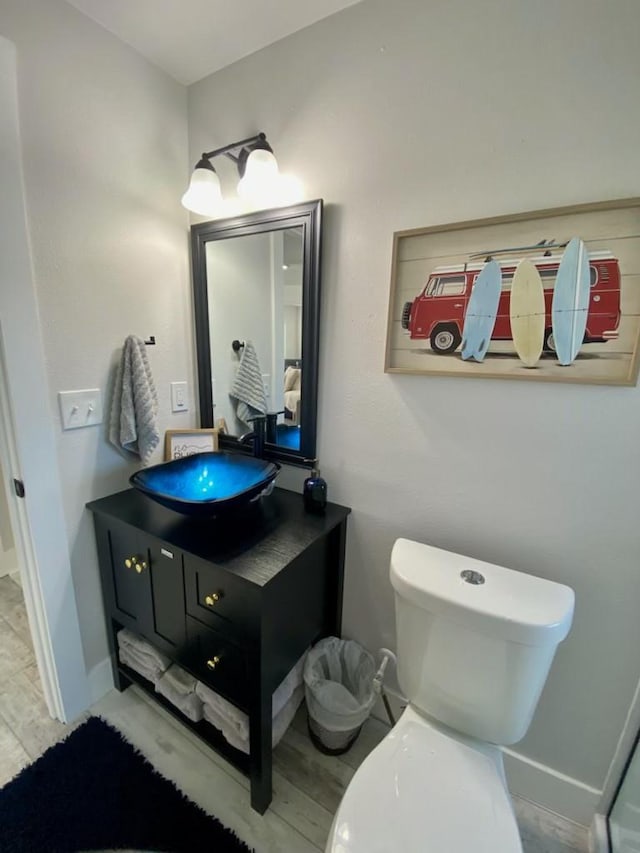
column 237, row 345
column 152, row 341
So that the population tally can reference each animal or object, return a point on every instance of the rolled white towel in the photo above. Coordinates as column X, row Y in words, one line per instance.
column 179, row 687
column 146, row 655
column 127, row 639
column 230, row 732
column 284, row 691
column 285, row 715
column 224, row 711
column 139, row 664
column 179, row 680
column 281, row 722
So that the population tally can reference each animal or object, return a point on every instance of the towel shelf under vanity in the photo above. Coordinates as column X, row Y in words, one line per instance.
column 235, row 602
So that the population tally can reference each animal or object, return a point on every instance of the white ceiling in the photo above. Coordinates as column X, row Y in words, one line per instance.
column 190, row 39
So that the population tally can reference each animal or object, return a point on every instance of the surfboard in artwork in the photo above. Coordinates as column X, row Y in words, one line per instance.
column 527, row 313
column 570, row 303
column 481, row 312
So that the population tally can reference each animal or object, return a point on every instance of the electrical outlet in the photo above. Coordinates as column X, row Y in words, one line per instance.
column 179, row 402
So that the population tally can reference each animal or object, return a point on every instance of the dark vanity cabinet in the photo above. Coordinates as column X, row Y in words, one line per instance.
column 234, row 601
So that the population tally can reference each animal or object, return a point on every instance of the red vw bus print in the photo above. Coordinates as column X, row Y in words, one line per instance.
column 437, row 313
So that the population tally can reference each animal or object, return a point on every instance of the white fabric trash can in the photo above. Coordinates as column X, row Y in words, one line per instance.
column 338, row 677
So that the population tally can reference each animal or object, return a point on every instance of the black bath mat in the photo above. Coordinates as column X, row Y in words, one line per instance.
column 94, row 791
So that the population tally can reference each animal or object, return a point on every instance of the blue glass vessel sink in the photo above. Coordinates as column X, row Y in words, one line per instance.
column 288, row 436
column 207, row 484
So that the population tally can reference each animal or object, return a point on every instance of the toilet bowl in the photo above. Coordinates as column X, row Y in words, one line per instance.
column 429, row 791
column 475, row 644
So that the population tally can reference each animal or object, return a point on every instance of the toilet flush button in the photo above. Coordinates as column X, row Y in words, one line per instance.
column 469, row 576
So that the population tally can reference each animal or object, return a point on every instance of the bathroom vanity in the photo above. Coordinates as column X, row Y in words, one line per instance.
column 235, row 601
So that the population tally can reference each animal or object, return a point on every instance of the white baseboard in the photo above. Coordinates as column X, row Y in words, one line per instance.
column 554, row 791
column 100, row 680
column 598, row 835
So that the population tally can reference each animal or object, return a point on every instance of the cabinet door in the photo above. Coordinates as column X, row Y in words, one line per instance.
column 131, row 578
column 148, row 587
column 167, row 597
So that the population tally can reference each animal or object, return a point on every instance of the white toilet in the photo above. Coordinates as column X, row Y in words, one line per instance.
column 475, row 643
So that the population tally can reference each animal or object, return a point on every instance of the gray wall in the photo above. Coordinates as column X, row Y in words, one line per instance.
column 409, row 114
column 105, row 158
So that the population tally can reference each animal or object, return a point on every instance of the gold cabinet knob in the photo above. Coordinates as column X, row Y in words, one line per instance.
column 132, row 563
column 211, row 599
column 213, row 662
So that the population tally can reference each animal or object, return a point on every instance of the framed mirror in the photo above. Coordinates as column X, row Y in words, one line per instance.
column 256, row 281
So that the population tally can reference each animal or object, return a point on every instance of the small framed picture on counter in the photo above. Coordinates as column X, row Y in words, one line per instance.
column 187, row 442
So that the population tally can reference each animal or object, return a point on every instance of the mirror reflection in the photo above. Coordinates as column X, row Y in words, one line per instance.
column 256, row 299
column 255, row 295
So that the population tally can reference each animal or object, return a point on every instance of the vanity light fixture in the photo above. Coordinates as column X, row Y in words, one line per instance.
column 257, row 167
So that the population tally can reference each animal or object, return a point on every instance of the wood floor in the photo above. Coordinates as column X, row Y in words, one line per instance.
column 307, row 785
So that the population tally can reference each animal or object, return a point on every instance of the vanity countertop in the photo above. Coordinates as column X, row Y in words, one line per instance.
column 255, row 545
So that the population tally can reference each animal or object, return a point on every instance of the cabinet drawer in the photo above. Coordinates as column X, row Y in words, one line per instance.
column 217, row 662
column 221, row 600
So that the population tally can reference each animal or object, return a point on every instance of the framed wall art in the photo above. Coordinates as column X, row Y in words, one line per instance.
column 186, row 442
column 551, row 295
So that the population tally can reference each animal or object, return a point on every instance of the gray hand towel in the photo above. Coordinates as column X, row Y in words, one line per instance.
column 248, row 388
column 134, row 406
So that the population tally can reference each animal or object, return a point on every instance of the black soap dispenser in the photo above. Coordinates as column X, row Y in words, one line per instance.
column 314, row 493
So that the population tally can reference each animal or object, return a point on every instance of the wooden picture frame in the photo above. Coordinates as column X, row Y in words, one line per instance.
column 434, row 269
column 186, row 442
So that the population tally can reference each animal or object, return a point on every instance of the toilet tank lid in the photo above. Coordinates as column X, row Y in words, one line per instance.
column 506, row 604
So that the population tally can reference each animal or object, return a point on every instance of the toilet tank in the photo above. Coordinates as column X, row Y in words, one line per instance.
column 475, row 641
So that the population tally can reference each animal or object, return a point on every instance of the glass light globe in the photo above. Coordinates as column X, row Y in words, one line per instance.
column 261, row 164
column 203, row 195
column 259, row 182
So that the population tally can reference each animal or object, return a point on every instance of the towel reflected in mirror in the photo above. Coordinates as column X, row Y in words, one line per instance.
column 248, row 386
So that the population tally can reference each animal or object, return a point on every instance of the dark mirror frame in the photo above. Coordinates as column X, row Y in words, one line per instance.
column 308, row 215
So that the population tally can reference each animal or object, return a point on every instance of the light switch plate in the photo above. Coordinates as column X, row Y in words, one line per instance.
column 80, row 408
column 179, row 401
